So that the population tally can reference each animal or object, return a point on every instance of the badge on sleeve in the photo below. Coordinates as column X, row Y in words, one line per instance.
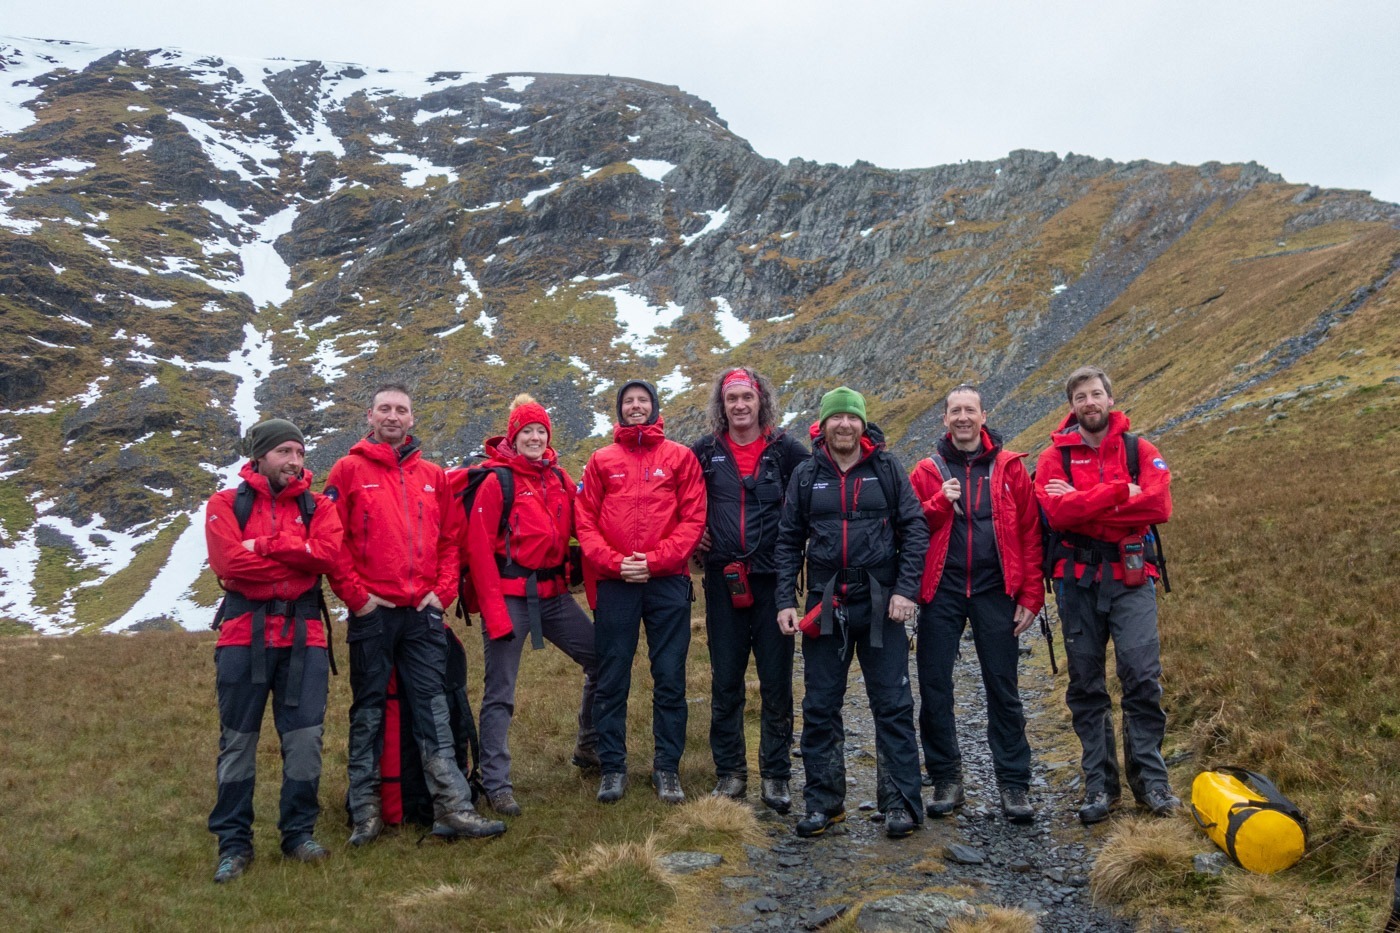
column 1160, row 464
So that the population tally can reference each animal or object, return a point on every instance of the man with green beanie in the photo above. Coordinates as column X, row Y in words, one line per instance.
column 269, row 542
column 853, row 512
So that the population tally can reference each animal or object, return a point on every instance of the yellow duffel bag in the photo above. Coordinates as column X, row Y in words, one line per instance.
column 1247, row 816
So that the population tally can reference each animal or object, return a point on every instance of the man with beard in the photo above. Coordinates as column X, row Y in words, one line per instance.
column 747, row 465
column 1105, row 583
column 397, row 571
column 269, row 542
column 850, row 507
column 983, row 566
column 639, row 518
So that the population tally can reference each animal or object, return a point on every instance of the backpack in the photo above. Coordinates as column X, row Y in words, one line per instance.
column 1051, row 541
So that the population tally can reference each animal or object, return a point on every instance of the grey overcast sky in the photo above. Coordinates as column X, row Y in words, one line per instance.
column 1307, row 89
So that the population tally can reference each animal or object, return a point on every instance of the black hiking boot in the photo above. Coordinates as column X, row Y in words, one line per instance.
column 1096, row 807
column 817, row 822
column 947, row 797
column 775, row 795
column 1161, row 801
column 310, row 852
column 366, row 831
column 898, row 823
column 733, row 786
column 1016, row 806
column 467, row 823
column 612, row 787
column 668, row 786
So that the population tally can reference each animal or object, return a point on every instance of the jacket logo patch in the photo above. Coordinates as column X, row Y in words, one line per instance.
column 427, row 487
column 1085, row 462
column 369, row 485
column 659, row 473
column 1159, row 463
column 332, row 493
column 617, row 476
column 821, row 485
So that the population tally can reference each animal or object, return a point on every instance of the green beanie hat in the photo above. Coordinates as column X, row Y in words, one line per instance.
column 842, row 400
column 266, row 435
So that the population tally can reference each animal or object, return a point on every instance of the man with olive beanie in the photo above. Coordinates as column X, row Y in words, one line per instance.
column 639, row 517
column 851, row 509
column 269, row 542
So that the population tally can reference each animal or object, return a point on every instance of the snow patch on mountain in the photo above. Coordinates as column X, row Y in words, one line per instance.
column 640, row 320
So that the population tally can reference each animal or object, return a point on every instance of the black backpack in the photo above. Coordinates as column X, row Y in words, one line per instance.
column 1051, row 541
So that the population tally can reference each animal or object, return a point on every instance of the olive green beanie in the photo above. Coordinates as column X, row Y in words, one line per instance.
column 842, row 400
column 266, row 435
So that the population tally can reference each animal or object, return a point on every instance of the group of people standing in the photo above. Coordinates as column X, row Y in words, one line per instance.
column 880, row 554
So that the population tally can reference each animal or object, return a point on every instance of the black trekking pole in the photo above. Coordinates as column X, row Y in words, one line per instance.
column 1049, row 639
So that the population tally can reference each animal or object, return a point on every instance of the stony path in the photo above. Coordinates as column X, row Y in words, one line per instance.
column 799, row 884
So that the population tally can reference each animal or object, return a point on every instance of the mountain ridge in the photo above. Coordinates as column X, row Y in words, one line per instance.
column 189, row 242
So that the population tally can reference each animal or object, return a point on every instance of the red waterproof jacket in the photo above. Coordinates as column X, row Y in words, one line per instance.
column 1015, row 525
column 400, row 526
column 286, row 559
column 540, row 524
column 1098, row 506
column 640, row 493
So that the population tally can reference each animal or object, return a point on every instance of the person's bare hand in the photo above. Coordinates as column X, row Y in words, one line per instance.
column 787, row 621
column 952, row 489
column 1023, row 619
column 373, row 603
column 430, row 600
column 634, row 568
column 250, row 545
column 902, row 609
column 1058, row 487
column 1134, row 490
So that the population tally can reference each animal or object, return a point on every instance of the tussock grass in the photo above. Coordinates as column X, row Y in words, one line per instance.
column 640, row 859
column 995, row 920
column 707, row 822
column 1144, row 861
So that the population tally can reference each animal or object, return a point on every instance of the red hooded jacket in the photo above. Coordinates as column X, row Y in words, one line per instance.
column 541, row 522
column 1098, row 505
column 1015, row 526
column 400, row 527
column 286, row 559
column 641, row 493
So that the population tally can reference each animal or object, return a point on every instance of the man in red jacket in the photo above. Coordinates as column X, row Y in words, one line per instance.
column 397, row 571
column 1105, row 586
column 271, row 639
column 639, row 517
column 983, row 566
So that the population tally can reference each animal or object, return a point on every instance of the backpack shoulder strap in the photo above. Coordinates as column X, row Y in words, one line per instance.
column 889, row 483
column 937, row 460
column 506, row 477
column 243, row 504
column 306, row 502
column 1065, row 459
column 1130, row 448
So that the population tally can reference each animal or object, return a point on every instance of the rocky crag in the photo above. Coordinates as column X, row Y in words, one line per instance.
column 189, row 243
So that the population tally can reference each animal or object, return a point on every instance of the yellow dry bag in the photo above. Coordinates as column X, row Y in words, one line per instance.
column 1246, row 815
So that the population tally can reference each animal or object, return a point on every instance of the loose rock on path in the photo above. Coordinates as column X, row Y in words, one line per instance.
column 975, row 858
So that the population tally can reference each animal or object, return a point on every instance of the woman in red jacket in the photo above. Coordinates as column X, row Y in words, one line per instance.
column 519, row 571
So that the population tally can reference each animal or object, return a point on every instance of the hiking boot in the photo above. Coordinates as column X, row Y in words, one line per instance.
column 775, row 795
column 366, row 831
column 231, row 867
column 898, row 823
column 503, row 802
column 309, row 851
column 586, row 759
column 612, row 787
column 668, row 786
column 1016, row 806
column 947, row 797
column 1096, row 807
column 733, row 786
column 1161, row 801
column 467, row 823
column 817, row 822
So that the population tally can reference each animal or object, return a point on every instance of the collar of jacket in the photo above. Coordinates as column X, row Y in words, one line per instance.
column 499, row 453
column 386, row 454
column 991, row 443
column 640, row 435
column 259, row 483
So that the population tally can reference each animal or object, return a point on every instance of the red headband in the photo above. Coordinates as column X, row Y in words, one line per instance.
column 738, row 377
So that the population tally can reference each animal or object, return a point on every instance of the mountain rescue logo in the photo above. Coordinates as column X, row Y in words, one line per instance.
column 659, row 473
column 427, row 487
column 1160, row 464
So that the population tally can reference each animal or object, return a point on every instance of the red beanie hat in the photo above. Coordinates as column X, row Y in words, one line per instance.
column 525, row 410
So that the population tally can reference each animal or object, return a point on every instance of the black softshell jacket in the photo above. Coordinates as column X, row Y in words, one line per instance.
column 851, row 524
column 743, row 512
